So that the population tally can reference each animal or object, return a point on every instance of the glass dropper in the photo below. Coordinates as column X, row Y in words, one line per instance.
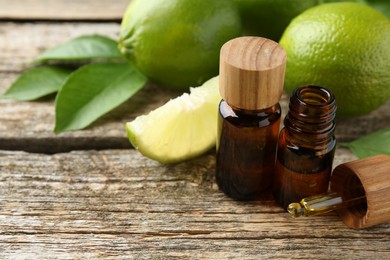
column 324, row 203
column 359, row 190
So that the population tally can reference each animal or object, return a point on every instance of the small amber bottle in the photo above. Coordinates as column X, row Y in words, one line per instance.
column 306, row 146
column 251, row 83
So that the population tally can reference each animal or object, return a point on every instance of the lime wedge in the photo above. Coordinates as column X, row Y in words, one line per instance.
column 181, row 129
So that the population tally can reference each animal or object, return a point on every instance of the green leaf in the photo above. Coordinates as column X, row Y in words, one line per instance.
column 37, row 82
column 82, row 48
column 372, row 144
column 92, row 91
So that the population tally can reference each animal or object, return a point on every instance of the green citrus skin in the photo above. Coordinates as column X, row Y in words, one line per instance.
column 380, row 5
column 176, row 42
column 269, row 18
column 181, row 129
column 344, row 47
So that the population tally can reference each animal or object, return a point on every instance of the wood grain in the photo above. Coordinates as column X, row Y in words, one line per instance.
column 252, row 72
column 28, row 125
column 118, row 204
column 62, row 9
column 372, row 174
column 22, row 42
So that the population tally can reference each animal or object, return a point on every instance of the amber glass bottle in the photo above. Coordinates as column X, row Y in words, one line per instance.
column 251, row 83
column 306, row 146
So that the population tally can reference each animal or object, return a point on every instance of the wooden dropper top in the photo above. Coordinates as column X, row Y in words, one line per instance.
column 373, row 173
column 252, row 72
column 359, row 192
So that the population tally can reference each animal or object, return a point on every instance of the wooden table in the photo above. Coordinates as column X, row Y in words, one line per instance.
column 88, row 195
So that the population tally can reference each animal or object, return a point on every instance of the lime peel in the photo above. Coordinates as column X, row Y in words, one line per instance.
column 343, row 47
column 181, row 129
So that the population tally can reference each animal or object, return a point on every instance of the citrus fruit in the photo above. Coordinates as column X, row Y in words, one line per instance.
column 381, row 5
column 183, row 128
column 269, row 18
column 344, row 47
column 176, row 42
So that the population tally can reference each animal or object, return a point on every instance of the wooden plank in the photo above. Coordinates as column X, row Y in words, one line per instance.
column 28, row 125
column 62, row 9
column 118, row 204
column 112, row 204
column 22, row 42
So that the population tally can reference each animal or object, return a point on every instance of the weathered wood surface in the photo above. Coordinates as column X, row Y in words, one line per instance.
column 28, row 125
column 118, row 204
column 62, row 9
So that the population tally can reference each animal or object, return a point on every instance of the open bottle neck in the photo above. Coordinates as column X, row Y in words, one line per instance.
column 312, row 111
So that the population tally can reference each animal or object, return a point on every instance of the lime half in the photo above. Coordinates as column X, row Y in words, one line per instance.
column 181, row 129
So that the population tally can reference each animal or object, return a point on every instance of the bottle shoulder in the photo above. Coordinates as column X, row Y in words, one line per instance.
column 300, row 143
column 249, row 118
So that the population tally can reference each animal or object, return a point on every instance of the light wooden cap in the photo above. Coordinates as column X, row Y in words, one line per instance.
column 251, row 72
column 374, row 175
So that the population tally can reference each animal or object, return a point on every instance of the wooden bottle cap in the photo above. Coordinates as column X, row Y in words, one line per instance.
column 374, row 175
column 252, row 72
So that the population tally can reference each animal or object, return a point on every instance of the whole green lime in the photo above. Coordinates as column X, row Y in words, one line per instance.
column 380, row 5
column 344, row 47
column 269, row 18
column 176, row 43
